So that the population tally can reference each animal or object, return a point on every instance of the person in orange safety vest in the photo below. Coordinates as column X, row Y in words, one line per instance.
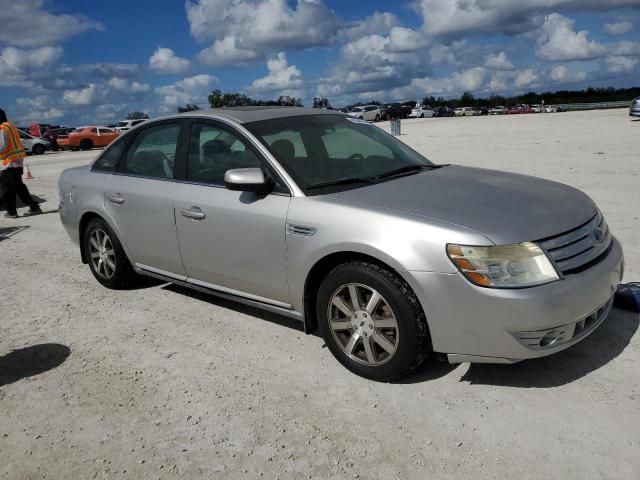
column 11, row 166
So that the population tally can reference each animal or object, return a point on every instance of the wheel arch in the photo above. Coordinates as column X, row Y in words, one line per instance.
column 321, row 269
column 85, row 218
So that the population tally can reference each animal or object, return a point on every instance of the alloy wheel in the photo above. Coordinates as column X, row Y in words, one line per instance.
column 102, row 254
column 363, row 324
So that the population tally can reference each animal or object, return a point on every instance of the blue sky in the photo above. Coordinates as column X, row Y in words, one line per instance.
column 75, row 62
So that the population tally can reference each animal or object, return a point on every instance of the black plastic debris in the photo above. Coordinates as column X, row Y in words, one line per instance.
column 628, row 296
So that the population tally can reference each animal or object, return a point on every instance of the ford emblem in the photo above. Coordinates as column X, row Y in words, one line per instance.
column 598, row 235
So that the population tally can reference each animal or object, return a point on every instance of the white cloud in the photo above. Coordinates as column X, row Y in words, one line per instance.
column 405, row 40
column 281, row 77
column 26, row 23
column 621, row 64
column 526, row 78
column 164, row 60
column 82, row 96
column 37, row 108
column 188, row 90
column 123, row 85
column 618, row 28
column 376, row 23
column 17, row 60
column 467, row 17
column 498, row 61
column 471, row 79
column 562, row 74
column 17, row 65
column 558, row 41
column 245, row 30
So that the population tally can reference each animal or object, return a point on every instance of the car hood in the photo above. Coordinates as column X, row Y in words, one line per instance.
column 504, row 207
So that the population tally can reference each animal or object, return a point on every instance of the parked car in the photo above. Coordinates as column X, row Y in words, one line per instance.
column 634, row 109
column 368, row 112
column 34, row 145
column 519, row 109
column 443, row 112
column 536, row 109
column 394, row 110
column 52, row 135
column 86, row 138
column 498, row 111
column 465, row 111
column 421, row 112
column 124, row 125
column 242, row 203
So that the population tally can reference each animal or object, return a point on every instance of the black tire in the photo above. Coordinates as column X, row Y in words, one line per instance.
column 123, row 274
column 377, row 118
column 37, row 149
column 86, row 144
column 413, row 338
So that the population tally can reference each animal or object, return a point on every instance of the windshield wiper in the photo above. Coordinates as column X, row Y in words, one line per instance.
column 403, row 170
column 342, row 181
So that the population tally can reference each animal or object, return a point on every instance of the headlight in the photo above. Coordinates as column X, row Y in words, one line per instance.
column 503, row 266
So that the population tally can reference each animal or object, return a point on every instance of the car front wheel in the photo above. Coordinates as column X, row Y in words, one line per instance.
column 107, row 259
column 38, row 149
column 372, row 321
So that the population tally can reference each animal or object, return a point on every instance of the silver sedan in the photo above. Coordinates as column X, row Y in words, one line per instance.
column 325, row 218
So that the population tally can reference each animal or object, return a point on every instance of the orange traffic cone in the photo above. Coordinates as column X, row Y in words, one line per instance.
column 27, row 173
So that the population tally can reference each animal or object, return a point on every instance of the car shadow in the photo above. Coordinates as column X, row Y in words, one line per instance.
column 8, row 232
column 602, row 346
column 29, row 361
column 239, row 307
column 431, row 369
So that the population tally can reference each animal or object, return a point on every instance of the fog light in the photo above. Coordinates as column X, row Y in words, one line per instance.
column 551, row 338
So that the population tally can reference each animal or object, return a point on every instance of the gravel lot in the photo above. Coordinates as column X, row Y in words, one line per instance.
column 159, row 382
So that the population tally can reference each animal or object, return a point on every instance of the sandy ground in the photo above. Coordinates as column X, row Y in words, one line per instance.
column 159, row 382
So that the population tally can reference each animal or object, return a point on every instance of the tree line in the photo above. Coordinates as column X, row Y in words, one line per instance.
column 219, row 99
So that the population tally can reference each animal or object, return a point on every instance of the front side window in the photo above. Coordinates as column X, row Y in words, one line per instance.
column 153, row 151
column 337, row 151
column 213, row 150
column 109, row 159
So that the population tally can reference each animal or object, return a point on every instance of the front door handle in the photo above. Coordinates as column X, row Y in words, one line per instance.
column 194, row 213
column 115, row 198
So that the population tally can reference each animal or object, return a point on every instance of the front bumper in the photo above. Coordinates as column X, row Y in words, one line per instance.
column 470, row 323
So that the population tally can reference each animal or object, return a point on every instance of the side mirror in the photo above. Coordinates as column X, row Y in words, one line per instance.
column 247, row 180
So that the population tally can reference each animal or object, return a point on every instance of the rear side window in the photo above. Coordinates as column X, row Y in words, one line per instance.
column 153, row 151
column 109, row 159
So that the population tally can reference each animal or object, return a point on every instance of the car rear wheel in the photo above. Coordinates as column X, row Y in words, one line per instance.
column 38, row 149
column 372, row 321
column 86, row 144
column 107, row 259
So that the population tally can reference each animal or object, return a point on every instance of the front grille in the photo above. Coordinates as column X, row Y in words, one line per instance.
column 556, row 336
column 581, row 247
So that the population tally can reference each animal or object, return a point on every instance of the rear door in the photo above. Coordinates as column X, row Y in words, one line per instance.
column 139, row 198
column 233, row 241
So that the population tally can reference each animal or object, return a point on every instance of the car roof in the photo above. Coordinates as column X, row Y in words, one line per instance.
column 256, row 114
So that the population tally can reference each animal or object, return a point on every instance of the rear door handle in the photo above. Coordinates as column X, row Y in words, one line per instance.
column 194, row 213
column 115, row 198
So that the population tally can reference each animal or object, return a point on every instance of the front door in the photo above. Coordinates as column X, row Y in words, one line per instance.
column 139, row 198
column 228, row 239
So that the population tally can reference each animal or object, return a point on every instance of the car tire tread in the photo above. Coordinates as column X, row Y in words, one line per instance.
column 407, row 301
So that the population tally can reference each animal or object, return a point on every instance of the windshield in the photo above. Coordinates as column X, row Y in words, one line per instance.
column 122, row 124
column 356, row 109
column 324, row 153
